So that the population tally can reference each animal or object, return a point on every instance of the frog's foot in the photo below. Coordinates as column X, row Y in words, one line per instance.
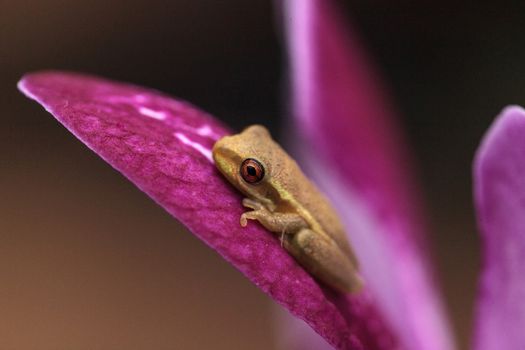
column 259, row 211
column 281, row 223
column 258, row 214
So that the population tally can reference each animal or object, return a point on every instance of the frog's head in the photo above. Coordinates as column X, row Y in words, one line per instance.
column 245, row 160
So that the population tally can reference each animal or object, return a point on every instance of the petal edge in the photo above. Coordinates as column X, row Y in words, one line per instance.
column 499, row 191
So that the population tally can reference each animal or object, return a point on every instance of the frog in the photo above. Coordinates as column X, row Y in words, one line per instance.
column 283, row 200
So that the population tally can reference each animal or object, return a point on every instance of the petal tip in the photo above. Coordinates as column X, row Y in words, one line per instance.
column 513, row 109
column 509, row 119
column 21, row 85
column 24, row 84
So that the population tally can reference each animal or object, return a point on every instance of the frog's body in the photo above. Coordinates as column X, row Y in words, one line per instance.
column 287, row 203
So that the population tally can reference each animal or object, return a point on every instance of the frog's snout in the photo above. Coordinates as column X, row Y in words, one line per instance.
column 218, row 151
column 223, row 158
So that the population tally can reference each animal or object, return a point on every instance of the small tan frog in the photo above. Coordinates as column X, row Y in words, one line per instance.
column 284, row 201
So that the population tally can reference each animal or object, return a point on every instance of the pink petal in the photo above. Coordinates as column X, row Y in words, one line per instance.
column 499, row 179
column 356, row 155
column 163, row 146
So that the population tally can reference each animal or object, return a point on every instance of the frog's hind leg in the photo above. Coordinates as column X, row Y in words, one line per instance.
column 324, row 260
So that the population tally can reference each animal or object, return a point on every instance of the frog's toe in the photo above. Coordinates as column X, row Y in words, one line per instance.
column 244, row 220
column 247, row 216
column 250, row 215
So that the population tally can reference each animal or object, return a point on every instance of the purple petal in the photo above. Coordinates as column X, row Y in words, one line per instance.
column 357, row 158
column 500, row 200
column 163, row 146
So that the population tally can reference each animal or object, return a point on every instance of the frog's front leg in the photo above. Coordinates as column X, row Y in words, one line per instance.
column 274, row 221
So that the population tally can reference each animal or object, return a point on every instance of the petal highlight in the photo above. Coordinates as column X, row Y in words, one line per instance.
column 499, row 182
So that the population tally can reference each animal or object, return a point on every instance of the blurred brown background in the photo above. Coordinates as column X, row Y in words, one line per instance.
column 89, row 262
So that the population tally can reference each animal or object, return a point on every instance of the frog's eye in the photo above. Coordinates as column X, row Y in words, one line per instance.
column 252, row 171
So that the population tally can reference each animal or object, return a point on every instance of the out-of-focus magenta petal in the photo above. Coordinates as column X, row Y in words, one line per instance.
column 164, row 147
column 356, row 156
column 499, row 180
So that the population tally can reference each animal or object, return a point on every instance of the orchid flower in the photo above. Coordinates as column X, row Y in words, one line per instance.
column 347, row 141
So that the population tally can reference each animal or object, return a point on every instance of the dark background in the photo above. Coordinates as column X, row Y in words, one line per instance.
column 89, row 262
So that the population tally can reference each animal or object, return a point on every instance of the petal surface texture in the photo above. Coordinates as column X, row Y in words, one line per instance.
column 499, row 179
column 164, row 146
column 356, row 157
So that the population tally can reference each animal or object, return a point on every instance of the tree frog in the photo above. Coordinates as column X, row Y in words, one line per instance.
column 284, row 201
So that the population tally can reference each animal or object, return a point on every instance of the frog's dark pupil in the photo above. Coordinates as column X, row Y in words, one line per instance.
column 251, row 170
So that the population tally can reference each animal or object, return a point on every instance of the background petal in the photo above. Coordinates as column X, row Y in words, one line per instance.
column 356, row 156
column 163, row 146
column 500, row 201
